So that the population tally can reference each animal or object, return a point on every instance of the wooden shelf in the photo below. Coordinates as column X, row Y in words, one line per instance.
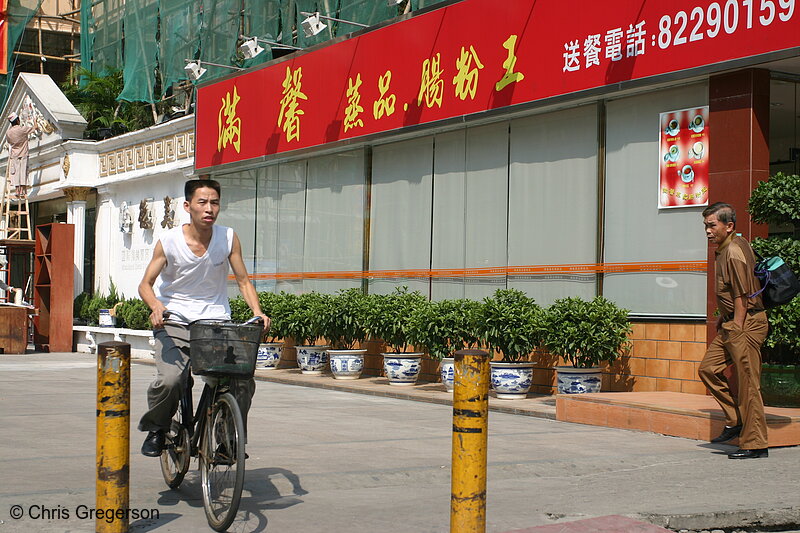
column 53, row 287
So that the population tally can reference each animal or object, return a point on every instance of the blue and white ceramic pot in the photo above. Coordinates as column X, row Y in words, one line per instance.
column 347, row 364
column 573, row 380
column 269, row 355
column 447, row 370
column 402, row 368
column 312, row 359
column 511, row 381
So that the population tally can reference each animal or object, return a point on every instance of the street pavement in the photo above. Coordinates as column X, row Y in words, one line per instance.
column 326, row 460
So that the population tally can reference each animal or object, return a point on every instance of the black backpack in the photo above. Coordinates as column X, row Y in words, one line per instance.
column 779, row 285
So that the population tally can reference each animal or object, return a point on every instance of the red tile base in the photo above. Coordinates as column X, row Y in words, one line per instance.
column 692, row 416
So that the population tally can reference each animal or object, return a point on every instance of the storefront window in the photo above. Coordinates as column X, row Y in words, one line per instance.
column 334, row 230
column 636, row 231
column 400, row 214
column 470, row 209
column 784, row 127
column 553, row 202
column 237, row 210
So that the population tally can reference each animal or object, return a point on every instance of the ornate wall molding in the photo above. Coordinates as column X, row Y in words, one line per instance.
column 77, row 194
column 148, row 154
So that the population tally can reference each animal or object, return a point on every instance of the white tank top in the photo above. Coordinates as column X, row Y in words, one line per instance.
column 196, row 287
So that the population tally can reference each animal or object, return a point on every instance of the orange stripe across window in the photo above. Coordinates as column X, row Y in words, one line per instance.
column 588, row 268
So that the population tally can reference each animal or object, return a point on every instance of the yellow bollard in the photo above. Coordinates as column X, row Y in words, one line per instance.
column 470, row 427
column 113, row 436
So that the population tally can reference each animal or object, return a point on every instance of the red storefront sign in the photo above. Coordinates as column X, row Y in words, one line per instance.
column 473, row 56
column 683, row 158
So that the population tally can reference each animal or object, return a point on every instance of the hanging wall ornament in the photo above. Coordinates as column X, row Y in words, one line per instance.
column 146, row 214
column 125, row 218
column 169, row 213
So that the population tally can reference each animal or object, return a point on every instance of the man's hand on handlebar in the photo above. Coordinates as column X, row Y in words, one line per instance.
column 157, row 316
column 265, row 321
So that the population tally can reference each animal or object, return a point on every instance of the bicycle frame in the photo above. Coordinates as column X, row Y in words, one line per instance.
column 197, row 427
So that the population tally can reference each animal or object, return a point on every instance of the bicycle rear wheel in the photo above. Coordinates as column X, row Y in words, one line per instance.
column 222, row 462
column 177, row 451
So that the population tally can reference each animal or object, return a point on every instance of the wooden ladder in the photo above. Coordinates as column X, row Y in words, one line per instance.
column 16, row 222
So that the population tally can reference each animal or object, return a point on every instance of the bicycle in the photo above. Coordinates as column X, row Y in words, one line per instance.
column 220, row 351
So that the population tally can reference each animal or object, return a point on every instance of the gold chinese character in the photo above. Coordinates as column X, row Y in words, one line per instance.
column 289, row 117
column 431, row 86
column 229, row 126
column 351, row 119
column 385, row 104
column 510, row 76
column 466, row 81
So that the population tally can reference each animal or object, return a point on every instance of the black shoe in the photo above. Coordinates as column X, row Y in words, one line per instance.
column 730, row 432
column 153, row 444
column 749, row 454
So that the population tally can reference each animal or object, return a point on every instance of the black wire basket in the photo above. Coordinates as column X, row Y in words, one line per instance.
column 223, row 348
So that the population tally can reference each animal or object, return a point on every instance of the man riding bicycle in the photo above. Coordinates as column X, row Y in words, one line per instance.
column 191, row 262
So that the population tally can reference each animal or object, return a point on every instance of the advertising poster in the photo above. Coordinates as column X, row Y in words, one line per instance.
column 683, row 158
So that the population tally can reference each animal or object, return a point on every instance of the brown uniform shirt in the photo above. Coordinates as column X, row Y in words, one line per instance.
column 17, row 137
column 733, row 268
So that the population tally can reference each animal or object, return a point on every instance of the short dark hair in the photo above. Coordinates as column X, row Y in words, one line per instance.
column 192, row 185
column 725, row 212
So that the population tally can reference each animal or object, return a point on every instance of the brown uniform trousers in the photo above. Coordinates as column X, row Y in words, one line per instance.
column 742, row 347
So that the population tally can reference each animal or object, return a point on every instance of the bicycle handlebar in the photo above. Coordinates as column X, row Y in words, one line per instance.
column 185, row 321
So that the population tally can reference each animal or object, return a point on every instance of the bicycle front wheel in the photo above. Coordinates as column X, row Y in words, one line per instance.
column 222, row 462
column 177, row 451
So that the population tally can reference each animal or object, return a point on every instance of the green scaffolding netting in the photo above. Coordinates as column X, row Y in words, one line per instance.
column 141, row 51
column 179, row 38
column 150, row 38
column 19, row 13
column 219, row 33
column 107, row 35
column 261, row 19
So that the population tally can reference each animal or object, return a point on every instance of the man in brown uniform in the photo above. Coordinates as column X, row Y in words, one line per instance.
column 741, row 329
column 17, row 137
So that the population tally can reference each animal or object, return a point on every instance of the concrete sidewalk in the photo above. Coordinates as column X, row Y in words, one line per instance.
column 337, row 461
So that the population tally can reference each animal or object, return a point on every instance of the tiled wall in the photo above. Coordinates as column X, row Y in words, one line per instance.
column 663, row 357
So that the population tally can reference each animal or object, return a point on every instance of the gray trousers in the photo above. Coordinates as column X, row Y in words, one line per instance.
column 172, row 371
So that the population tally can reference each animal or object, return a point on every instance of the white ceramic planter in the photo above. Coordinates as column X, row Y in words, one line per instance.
column 347, row 364
column 269, row 355
column 447, row 371
column 402, row 369
column 312, row 359
column 573, row 380
column 511, row 381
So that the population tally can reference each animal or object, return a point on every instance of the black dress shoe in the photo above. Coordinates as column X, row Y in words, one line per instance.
column 153, row 444
column 749, row 454
column 730, row 432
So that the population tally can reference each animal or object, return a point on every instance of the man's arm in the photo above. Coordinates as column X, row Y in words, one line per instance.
column 740, row 310
column 245, row 287
column 157, row 264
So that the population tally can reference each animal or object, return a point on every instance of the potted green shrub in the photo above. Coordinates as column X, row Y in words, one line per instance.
column 344, row 328
column 584, row 333
column 444, row 327
column 277, row 307
column 387, row 317
column 134, row 314
column 777, row 202
column 305, row 323
column 509, row 323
